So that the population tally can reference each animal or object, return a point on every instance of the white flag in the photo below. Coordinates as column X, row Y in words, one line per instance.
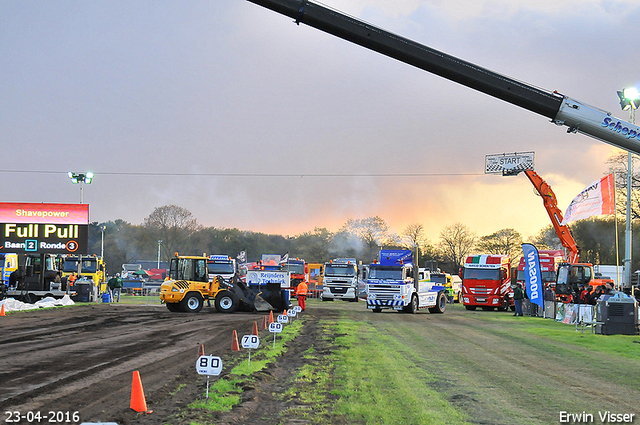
column 242, row 257
column 595, row 199
column 285, row 258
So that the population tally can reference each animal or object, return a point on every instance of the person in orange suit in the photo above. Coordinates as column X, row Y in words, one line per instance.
column 301, row 292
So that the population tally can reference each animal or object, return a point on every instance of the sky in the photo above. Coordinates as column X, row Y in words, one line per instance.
column 249, row 121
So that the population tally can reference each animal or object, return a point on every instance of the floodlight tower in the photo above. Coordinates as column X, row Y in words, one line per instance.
column 82, row 178
column 629, row 100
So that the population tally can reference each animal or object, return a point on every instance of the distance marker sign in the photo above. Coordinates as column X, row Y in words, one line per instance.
column 209, row 365
column 275, row 327
column 250, row 341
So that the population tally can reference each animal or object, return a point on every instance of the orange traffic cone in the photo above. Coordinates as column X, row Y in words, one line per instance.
column 264, row 322
column 138, row 402
column 2, row 310
column 271, row 317
column 201, row 350
column 255, row 328
column 234, row 342
column 284, row 312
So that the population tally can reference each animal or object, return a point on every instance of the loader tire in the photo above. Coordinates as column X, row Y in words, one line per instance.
column 173, row 307
column 226, row 302
column 192, row 303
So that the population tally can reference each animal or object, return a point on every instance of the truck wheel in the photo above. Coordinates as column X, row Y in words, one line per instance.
column 192, row 303
column 377, row 310
column 173, row 307
column 30, row 298
column 470, row 307
column 354, row 300
column 413, row 305
column 226, row 302
column 460, row 297
column 441, row 304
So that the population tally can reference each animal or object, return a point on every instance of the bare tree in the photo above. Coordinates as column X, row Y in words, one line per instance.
column 503, row 242
column 415, row 233
column 456, row 242
column 414, row 238
column 173, row 225
column 547, row 239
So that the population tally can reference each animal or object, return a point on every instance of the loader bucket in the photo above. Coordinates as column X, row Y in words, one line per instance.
column 259, row 297
column 260, row 304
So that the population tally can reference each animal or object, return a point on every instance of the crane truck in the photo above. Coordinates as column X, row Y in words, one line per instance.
column 392, row 284
column 572, row 274
column 577, row 116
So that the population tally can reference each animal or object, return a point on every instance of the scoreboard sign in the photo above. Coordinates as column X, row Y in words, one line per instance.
column 44, row 228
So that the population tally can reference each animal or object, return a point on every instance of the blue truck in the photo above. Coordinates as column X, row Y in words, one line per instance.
column 392, row 284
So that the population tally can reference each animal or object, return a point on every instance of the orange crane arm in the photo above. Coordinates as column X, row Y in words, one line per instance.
column 555, row 214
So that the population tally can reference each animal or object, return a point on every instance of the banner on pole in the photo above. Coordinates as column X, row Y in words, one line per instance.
column 532, row 274
column 595, row 199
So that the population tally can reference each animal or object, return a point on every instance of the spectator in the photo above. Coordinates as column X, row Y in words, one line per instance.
column 549, row 294
column 14, row 277
column 518, row 296
column 583, row 294
column 115, row 286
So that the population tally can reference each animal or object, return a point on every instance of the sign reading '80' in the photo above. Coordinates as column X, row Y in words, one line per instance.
column 209, row 365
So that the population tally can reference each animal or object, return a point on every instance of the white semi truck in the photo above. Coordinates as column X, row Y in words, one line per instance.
column 340, row 280
column 392, row 284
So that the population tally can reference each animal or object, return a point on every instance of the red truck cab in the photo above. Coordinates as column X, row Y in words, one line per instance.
column 486, row 282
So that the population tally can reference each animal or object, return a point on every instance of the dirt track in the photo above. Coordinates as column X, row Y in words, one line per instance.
column 82, row 358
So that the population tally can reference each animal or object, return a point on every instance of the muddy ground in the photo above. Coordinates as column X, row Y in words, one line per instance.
column 82, row 359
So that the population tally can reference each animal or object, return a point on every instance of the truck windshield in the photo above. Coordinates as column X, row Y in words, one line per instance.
column 90, row 265
column 546, row 276
column 481, row 274
column 385, row 273
column 220, row 268
column 336, row 270
column 293, row 268
column 438, row 278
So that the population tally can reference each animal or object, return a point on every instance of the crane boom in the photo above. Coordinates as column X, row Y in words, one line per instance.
column 555, row 214
column 562, row 110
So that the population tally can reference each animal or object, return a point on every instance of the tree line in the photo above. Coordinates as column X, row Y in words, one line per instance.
column 171, row 228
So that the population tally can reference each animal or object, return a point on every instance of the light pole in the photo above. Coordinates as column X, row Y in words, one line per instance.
column 81, row 178
column 159, row 245
column 102, row 229
column 629, row 100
